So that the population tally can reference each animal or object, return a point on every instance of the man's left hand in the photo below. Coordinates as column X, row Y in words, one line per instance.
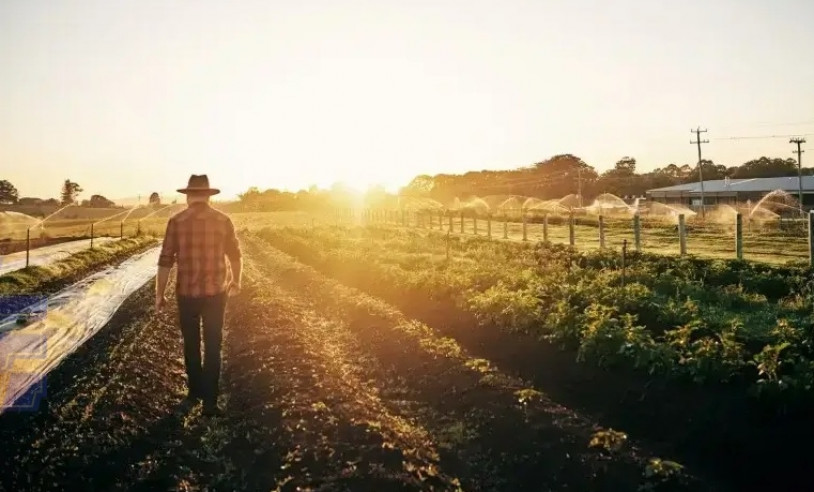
column 234, row 288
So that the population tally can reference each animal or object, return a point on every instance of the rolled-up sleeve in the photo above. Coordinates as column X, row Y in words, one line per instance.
column 169, row 250
column 232, row 247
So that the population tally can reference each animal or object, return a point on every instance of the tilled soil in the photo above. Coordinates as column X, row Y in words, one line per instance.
column 325, row 388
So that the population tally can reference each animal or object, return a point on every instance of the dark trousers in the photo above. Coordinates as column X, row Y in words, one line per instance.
column 202, row 380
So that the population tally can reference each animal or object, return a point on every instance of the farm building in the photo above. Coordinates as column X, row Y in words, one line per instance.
column 733, row 191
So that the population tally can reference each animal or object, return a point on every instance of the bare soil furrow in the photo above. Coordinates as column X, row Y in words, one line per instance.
column 494, row 431
column 338, row 433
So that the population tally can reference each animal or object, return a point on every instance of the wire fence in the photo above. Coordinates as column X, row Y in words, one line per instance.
column 25, row 233
column 778, row 242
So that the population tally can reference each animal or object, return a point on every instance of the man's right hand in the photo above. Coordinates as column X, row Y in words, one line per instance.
column 160, row 302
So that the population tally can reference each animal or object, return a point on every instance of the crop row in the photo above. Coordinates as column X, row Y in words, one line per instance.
column 708, row 321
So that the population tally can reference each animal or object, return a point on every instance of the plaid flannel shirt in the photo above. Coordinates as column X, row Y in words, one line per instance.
column 199, row 239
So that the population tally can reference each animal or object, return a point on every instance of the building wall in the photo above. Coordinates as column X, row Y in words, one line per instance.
column 693, row 200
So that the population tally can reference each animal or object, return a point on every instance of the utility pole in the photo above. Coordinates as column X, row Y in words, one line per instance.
column 698, row 131
column 799, row 141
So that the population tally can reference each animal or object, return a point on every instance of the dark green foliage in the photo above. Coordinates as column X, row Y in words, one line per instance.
column 707, row 321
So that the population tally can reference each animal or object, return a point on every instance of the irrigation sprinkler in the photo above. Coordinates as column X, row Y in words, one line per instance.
column 525, row 225
column 682, row 235
column 449, row 220
column 601, row 232
column 121, row 230
column 637, row 232
column 489, row 226
column 505, row 227
column 138, row 228
column 571, row 238
column 475, row 222
column 91, row 236
column 462, row 221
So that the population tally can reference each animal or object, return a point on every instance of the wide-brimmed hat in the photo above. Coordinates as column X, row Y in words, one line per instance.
column 199, row 184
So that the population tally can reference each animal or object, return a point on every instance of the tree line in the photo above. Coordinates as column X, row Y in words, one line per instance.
column 566, row 174
column 555, row 177
column 69, row 194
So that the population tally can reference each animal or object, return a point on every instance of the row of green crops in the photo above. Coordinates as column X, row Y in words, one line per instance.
column 703, row 320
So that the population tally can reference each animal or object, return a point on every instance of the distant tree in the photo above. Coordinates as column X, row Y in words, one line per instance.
column 98, row 201
column 626, row 166
column 28, row 200
column 421, row 185
column 250, row 200
column 622, row 180
column 70, row 191
column 766, row 167
column 154, row 200
column 51, row 202
column 709, row 170
column 8, row 193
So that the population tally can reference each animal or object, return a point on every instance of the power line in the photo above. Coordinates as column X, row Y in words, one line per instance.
column 764, row 136
column 698, row 131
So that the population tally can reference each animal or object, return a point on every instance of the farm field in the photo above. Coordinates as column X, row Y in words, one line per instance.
column 46, row 254
column 699, row 355
column 360, row 358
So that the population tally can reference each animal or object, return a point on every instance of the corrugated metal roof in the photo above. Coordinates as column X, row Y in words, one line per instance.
column 789, row 183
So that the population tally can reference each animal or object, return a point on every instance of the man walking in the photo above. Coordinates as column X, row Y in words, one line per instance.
column 198, row 240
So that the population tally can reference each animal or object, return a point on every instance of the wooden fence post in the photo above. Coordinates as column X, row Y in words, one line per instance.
column 545, row 227
column 637, row 232
column 682, row 235
column 571, row 237
column 28, row 244
column 624, row 260
column 739, row 236
column 505, row 227
column 601, row 232
column 811, row 239
column 525, row 226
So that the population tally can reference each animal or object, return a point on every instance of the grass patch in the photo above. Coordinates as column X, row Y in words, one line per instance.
column 34, row 278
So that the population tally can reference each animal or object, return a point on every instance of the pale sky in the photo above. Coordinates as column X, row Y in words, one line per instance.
column 128, row 97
